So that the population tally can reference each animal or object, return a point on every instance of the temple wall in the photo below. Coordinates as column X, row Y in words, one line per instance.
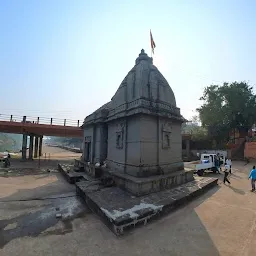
column 133, row 159
column 97, row 143
column 88, row 132
column 174, row 152
column 116, row 155
column 143, row 148
column 155, row 151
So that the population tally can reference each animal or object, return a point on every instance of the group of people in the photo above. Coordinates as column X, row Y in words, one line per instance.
column 227, row 171
column 227, row 167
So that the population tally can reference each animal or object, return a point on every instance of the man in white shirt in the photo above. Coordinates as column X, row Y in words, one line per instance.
column 226, row 172
column 229, row 162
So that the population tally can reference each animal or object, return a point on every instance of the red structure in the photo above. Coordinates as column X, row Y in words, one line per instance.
column 36, row 128
column 40, row 126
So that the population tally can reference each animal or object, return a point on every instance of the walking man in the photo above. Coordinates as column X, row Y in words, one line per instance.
column 229, row 162
column 226, row 173
column 252, row 176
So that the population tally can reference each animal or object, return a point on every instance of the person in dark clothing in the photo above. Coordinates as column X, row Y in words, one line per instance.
column 217, row 164
column 6, row 162
column 226, row 173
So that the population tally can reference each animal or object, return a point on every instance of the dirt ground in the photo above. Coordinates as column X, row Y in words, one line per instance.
column 221, row 222
column 58, row 153
column 50, row 158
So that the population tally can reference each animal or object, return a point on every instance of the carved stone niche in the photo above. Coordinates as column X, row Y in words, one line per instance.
column 166, row 135
column 87, row 148
column 120, row 135
column 88, row 139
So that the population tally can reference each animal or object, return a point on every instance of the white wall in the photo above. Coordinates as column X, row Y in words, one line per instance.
column 221, row 152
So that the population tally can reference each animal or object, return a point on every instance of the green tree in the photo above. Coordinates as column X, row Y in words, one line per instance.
column 227, row 107
column 195, row 129
column 11, row 142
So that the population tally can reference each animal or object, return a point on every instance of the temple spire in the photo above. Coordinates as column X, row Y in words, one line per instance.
column 143, row 56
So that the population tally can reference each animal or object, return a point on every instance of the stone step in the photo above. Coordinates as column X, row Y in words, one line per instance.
column 121, row 210
column 71, row 175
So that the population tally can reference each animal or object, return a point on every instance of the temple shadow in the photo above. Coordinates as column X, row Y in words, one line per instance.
column 180, row 232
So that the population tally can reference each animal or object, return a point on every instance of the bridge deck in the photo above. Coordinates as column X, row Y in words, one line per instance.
column 40, row 126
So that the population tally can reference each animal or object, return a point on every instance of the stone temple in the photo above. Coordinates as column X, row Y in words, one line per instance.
column 131, row 169
column 136, row 137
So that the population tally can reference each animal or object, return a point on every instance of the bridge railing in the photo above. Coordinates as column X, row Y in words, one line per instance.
column 40, row 120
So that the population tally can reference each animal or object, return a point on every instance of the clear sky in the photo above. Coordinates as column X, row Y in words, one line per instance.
column 65, row 58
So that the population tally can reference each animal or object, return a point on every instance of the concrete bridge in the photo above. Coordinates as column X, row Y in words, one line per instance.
column 36, row 128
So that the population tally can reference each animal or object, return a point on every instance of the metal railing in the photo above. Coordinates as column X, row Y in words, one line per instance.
column 40, row 120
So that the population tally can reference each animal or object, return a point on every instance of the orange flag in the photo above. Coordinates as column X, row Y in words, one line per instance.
column 153, row 45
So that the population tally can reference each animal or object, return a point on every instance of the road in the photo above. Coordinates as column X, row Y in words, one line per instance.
column 221, row 222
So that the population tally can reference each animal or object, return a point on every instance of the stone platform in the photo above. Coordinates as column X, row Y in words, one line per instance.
column 72, row 176
column 139, row 186
column 120, row 209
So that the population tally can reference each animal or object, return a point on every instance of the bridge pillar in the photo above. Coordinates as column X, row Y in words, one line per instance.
column 40, row 145
column 24, row 147
column 36, row 147
column 31, row 145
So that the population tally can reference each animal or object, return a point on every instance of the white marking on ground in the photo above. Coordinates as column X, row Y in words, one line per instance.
column 132, row 211
column 11, row 226
column 45, row 215
column 71, row 207
column 66, row 209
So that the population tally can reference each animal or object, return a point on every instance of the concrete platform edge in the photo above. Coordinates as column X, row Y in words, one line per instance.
column 119, row 227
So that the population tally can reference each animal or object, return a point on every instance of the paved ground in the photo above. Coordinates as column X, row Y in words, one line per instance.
column 221, row 222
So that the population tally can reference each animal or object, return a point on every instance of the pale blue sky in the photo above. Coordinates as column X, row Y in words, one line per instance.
column 65, row 58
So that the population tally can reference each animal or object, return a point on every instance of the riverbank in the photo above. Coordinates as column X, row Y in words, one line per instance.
column 72, row 149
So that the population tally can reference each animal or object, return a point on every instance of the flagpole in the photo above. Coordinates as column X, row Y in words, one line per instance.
column 152, row 44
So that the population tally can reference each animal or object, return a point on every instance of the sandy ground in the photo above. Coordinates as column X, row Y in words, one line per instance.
column 50, row 158
column 58, row 153
column 221, row 222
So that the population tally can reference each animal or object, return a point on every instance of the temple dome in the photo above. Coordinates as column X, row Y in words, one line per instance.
column 144, row 80
column 143, row 90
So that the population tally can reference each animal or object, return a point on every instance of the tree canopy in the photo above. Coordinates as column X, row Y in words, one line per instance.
column 226, row 107
column 11, row 142
column 198, row 132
